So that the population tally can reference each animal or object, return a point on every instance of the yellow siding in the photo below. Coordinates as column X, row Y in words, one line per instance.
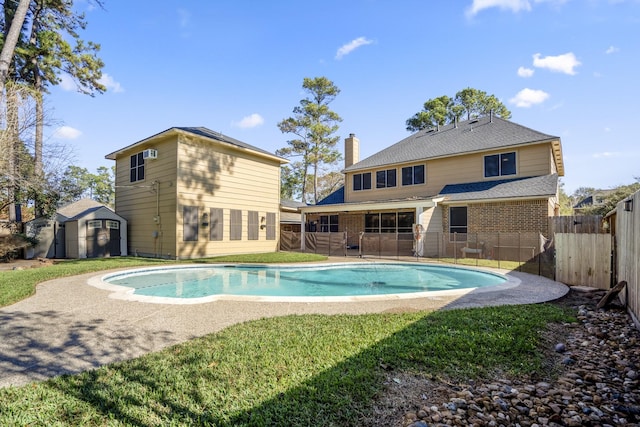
column 533, row 160
column 142, row 202
column 217, row 176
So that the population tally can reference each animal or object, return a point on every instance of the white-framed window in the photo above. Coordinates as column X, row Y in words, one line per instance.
column 413, row 175
column 500, row 164
column 114, row 225
column 362, row 181
column 94, row 223
column 137, row 167
column 386, row 178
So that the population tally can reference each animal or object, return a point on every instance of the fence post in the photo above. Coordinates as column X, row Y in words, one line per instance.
column 498, row 249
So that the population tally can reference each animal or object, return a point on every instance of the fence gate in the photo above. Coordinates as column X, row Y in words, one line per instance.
column 583, row 259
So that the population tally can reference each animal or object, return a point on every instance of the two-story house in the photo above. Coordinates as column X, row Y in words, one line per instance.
column 189, row 192
column 477, row 176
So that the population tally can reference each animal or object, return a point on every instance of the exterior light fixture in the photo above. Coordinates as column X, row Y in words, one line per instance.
column 628, row 205
column 205, row 219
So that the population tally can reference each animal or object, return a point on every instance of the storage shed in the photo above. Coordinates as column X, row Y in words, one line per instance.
column 83, row 229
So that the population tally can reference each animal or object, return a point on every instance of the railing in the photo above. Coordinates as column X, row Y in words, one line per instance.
column 524, row 251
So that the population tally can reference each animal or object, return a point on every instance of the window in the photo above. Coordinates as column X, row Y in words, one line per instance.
column 413, row 175
column 329, row 223
column 271, row 226
column 190, row 223
column 458, row 222
column 137, row 167
column 235, row 225
column 253, row 226
column 500, row 164
column 389, row 222
column 362, row 181
column 94, row 223
column 386, row 178
column 114, row 225
column 216, row 223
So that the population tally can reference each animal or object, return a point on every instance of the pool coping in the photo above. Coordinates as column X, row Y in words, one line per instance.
column 127, row 293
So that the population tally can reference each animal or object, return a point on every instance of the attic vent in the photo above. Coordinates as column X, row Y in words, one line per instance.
column 151, row 153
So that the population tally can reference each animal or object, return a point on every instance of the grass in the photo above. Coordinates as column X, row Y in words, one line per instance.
column 16, row 285
column 294, row 370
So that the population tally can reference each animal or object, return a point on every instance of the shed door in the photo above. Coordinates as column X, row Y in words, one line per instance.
column 103, row 238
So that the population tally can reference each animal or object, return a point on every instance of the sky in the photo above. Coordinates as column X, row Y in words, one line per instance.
column 568, row 68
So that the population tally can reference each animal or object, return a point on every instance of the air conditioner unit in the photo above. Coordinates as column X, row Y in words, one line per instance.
column 151, row 153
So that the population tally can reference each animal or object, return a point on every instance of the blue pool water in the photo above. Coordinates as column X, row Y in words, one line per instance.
column 356, row 279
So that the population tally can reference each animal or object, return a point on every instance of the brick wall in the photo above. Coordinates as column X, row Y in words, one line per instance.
column 508, row 217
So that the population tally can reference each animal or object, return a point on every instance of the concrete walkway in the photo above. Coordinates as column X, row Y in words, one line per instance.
column 69, row 326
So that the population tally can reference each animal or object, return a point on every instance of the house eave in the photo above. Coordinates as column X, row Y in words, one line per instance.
column 168, row 132
column 446, row 201
column 373, row 206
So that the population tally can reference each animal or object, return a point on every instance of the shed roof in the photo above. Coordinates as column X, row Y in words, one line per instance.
column 538, row 186
column 482, row 134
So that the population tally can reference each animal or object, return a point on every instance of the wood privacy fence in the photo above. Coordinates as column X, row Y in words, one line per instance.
column 583, row 259
column 576, row 224
column 628, row 251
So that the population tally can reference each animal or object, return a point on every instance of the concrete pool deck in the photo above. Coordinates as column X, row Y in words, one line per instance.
column 69, row 326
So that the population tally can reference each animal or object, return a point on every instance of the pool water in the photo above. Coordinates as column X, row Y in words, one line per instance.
column 355, row 279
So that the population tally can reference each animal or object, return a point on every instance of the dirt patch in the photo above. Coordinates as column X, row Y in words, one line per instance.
column 23, row 264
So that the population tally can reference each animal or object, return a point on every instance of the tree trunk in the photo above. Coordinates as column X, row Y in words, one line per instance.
column 11, row 39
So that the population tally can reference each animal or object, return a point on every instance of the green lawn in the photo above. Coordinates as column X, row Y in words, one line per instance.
column 295, row 371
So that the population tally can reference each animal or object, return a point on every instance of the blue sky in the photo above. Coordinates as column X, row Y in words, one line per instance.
column 568, row 68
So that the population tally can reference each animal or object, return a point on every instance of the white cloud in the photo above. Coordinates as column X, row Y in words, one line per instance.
column 67, row 132
column 605, row 154
column 564, row 63
column 110, row 83
column 528, row 97
column 351, row 46
column 525, row 72
column 612, row 49
column 512, row 5
column 67, row 83
column 249, row 121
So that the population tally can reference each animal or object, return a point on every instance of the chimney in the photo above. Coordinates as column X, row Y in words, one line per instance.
column 351, row 150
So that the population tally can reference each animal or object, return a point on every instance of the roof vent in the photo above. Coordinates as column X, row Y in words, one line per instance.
column 474, row 120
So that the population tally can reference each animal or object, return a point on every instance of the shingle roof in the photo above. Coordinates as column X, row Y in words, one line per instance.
column 333, row 198
column 468, row 136
column 208, row 133
column 538, row 186
column 202, row 132
column 78, row 208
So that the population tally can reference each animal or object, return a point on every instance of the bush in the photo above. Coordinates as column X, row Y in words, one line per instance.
column 12, row 244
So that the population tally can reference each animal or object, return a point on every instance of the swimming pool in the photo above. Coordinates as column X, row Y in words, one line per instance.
column 201, row 283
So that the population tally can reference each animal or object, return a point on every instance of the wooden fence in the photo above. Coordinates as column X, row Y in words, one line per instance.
column 583, row 259
column 628, row 251
column 576, row 224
